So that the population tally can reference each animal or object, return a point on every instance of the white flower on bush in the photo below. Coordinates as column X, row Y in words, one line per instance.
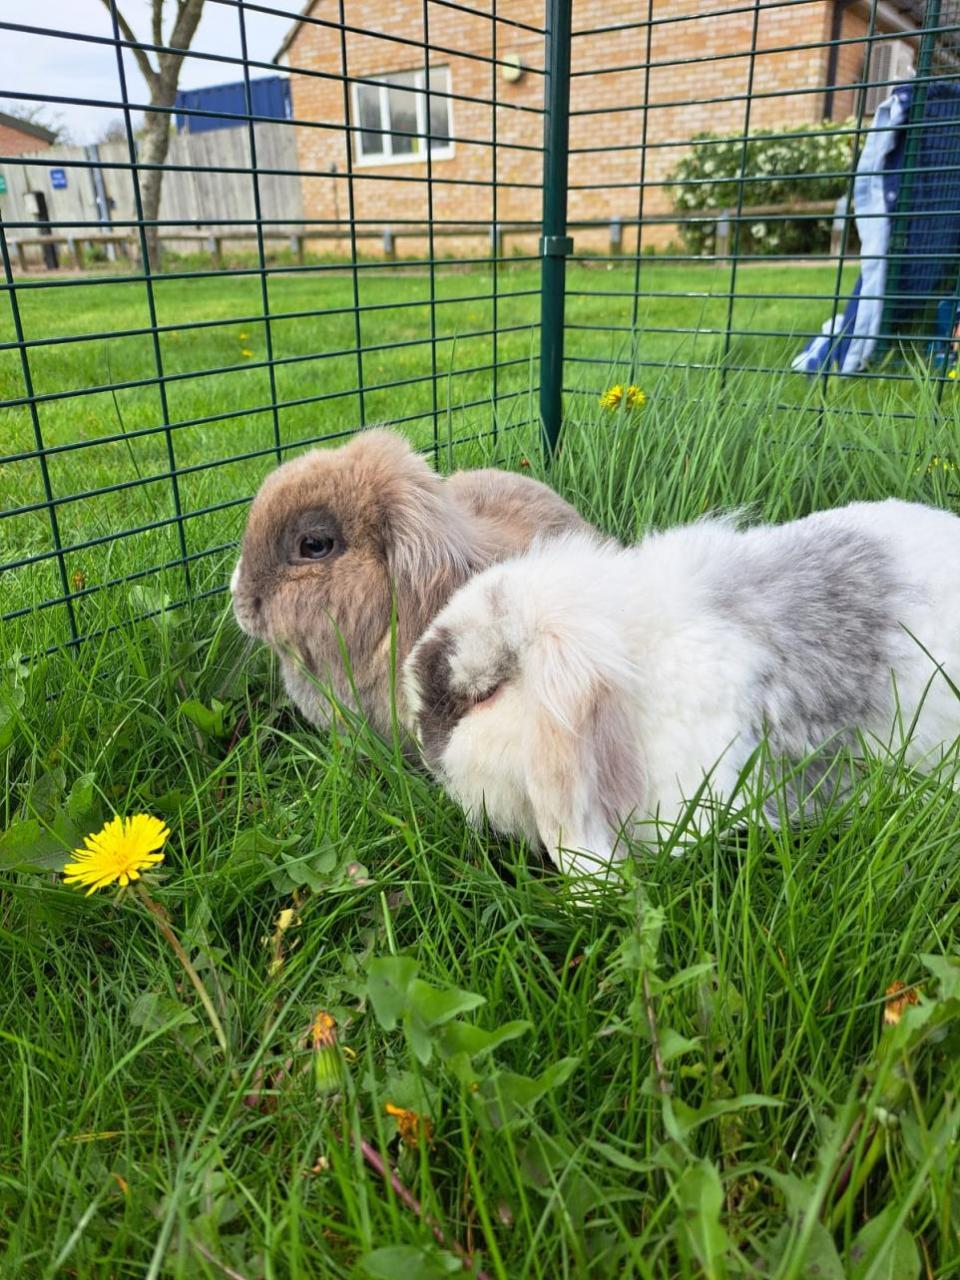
column 758, row 230
column 775, row 166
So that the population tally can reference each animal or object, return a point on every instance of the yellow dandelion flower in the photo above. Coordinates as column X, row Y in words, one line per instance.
column 896, row 999
column 323, row 1030
column 632, row 397
column 952, row 373
column 410, row 1125
column 286, row 920
column 118, row 853
column 243, row 337
column 246, row 352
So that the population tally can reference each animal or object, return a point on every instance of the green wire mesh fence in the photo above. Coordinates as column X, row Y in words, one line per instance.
column 457, row 218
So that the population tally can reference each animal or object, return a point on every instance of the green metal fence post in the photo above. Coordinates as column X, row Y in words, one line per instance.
column 555, row 244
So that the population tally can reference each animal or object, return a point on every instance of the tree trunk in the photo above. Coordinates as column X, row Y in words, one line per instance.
column 155, row 143
column 162, row 82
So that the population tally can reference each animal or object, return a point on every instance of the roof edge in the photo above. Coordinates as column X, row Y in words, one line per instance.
column 289, row 37
column 27, row 126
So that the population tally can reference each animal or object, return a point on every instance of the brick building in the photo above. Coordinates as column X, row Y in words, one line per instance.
column 690, row 71
column 18, row 136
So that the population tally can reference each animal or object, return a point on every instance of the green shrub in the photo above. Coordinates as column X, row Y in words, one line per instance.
column 782, row 166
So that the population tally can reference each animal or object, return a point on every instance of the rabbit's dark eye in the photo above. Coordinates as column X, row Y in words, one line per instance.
column 316, row 547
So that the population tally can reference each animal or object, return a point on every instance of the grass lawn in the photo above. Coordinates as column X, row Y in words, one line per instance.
column 688, row 1077
column 218, row 391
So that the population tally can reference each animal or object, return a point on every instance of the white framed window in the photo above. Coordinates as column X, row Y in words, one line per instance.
column 392, row 117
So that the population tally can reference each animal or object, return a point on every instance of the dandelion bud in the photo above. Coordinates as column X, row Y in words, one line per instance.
column 327, row 1066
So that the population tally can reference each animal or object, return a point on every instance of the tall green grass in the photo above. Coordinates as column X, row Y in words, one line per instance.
column 100, row 416
column 690, row 1074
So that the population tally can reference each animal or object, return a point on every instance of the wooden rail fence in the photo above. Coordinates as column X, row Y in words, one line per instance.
column 127, row 243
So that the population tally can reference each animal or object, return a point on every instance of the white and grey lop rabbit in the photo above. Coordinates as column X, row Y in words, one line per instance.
column 582, row 686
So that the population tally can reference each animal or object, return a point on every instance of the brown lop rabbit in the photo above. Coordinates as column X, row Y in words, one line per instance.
column 333, row 534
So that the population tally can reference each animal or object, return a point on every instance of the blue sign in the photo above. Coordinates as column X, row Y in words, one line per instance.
column 58, row 179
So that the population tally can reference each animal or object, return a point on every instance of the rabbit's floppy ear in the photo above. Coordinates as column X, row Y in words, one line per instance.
column 430, row 545
column 421, row 530
column 584, row 774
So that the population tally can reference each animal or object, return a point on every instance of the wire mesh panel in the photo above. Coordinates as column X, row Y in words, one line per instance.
column 721, row 145
column 921, row 293
column 358, row 247
column 272, row 229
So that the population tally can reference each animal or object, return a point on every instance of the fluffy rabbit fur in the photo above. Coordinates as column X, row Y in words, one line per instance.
column 583, row 685
column 333, row 533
